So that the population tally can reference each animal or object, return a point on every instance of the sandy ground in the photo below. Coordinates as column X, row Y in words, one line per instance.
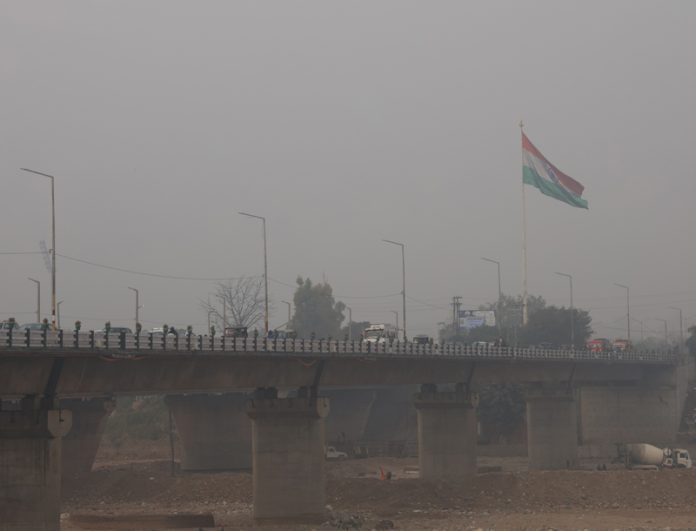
column 511, row 498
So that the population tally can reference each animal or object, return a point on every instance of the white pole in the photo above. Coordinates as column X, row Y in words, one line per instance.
column 525, row 314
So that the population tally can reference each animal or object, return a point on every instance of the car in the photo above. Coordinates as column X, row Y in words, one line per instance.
column 115, row 330
column 32, row 326
column 333, row 454
column 421, row 339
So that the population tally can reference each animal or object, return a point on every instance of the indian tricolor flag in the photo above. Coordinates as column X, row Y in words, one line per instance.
column 551, row 181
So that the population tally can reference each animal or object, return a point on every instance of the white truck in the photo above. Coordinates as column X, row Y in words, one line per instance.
column 380, row 333
column 649, row 457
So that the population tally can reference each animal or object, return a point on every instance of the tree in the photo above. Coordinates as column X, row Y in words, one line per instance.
column 243, row 302
column 552, row 325
column 316, row 311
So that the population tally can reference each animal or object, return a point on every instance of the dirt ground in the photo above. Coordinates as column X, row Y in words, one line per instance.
column 138, row 481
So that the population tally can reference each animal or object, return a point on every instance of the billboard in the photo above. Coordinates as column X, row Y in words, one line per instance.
column 469, row 319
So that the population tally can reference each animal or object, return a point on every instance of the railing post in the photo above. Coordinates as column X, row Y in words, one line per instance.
column 200, row 341
column 27, row 338
column 91, row 339
column 60, row 338
column 188, row 340
column 122, row 339
column 9, row 336
column 76, row 339
column 150, row 340
column 137, row 340
column 44, row 337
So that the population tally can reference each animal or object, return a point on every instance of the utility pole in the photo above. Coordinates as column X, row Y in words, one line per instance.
column 38, row 299
column 58, row 312
column 456, row 304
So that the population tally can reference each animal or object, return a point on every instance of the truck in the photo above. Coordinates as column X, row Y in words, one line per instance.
column 643, row 456
column 599, row 345
column 622, row 345
column 380, row 333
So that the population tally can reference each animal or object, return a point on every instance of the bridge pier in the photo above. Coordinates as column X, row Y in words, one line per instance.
column 446, row 433
column 288, row 456
column 30, row 465
column 215, row 431
column 80, row 445
column 552, row 430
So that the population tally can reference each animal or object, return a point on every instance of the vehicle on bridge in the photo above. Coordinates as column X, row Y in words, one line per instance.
column 622, row 345
column 282, row 334
column 599, row 344
column 236, row 331
column 380, row 333
column 332, row 453
column 422, row 339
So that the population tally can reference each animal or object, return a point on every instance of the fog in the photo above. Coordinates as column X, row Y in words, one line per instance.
column 342, row 124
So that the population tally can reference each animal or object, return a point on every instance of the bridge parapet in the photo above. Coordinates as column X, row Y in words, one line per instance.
column 102, row 343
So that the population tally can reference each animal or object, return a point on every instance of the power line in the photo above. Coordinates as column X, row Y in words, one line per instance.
column 147, row 274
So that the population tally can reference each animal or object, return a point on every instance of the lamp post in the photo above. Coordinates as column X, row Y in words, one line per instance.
column 265, row 267
column 38, row 299
column 58, row 312
column 396, row 316
column 350, row 323
column 137, row 306
column 664, row 322
column 681, row 327
column 628, row 310
column 572, row 311
column 403, row 279
column 53, row 243
column 287, row 325
column 500, row 292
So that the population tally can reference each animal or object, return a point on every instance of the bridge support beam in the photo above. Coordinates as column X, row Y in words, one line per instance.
column 215, row 431
column 288, row 456
column 446, row 433
column 552, row 430
column 80, row 445
column 30, row 465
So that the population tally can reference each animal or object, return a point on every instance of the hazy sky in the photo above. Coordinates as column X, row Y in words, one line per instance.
column 345, row 123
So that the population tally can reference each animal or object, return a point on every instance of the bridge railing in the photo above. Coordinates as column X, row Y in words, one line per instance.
column 149, row 341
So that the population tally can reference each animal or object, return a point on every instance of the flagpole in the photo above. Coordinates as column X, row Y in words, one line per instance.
column 525, row 316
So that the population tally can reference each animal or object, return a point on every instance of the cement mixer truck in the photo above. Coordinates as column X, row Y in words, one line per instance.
column 649, row 457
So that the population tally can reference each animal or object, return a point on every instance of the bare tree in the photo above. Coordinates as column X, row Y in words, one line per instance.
column 240, row 302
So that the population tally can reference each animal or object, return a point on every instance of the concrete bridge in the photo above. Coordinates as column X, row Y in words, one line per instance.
column 42, row 375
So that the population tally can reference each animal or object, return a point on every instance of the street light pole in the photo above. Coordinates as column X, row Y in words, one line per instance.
column 681, row 327
column 58, row 313
column 664, row 322
column 265, row 268
column 628, row 310
column 350, row 323
column 137, row 306
column 53, row 243
column 572, row 310
column 38, row 299
column 500, row 292
column 287, row 325
column 396, row 315
column 403, row 278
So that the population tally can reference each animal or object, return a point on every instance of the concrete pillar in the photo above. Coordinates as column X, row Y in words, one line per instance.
column 552, row 430
column 80, row 445
column 446, row 434
column 30, row 465
column 288, row 457
column 215, row 431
